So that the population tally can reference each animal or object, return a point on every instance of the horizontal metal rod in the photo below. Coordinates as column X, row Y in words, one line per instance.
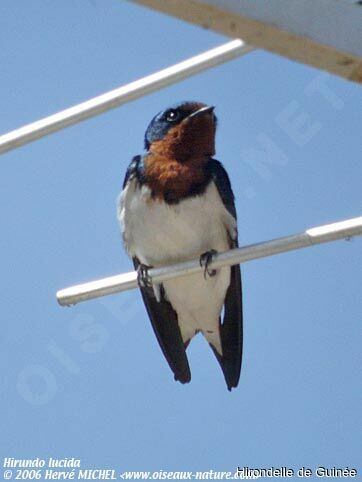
column 122, row 95
column 114, row 284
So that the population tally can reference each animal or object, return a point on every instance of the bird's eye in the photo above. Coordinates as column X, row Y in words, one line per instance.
column 172, row 116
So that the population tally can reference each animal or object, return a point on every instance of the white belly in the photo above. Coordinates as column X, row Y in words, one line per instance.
column 159, row 234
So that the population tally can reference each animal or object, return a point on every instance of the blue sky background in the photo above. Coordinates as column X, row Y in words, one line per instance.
column 90, row 381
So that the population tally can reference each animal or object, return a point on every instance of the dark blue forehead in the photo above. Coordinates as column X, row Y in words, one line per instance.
column 159, row 126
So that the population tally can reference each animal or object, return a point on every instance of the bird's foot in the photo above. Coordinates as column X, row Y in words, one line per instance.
column 205, row 260
column 143, row 278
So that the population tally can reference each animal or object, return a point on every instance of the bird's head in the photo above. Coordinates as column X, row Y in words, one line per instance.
column 182, row 132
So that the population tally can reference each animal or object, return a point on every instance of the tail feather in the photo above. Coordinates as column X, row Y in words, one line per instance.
column 231, row 331
column 230, row 370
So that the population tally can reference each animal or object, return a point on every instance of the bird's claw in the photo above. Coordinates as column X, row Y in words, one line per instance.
column 205, row 260
column 143, row 278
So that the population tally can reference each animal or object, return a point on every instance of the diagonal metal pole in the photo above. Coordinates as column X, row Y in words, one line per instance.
column 127, row 281
column 122, row 95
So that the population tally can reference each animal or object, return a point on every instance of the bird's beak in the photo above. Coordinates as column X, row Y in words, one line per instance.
column 204, row 110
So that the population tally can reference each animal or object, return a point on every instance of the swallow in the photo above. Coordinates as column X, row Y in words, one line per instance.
column 176, row 205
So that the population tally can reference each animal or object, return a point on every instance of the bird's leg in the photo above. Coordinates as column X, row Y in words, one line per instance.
column 143, row 278
column 205, row 260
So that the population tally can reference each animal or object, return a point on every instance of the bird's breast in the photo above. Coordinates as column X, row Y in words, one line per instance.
column 158, row 233
column 169, row 179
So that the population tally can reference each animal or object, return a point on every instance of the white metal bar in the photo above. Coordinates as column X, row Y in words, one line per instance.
column 128, row 281
column 121, row 95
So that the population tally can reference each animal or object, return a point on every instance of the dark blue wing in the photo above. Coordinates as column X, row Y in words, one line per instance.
column 222, row 181
column 165, row 325
column 132, row 170
column 231, row 329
